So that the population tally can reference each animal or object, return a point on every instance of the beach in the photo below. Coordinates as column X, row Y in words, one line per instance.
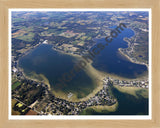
column 96, row 76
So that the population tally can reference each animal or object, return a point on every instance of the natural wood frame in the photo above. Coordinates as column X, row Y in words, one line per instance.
column 5, row 5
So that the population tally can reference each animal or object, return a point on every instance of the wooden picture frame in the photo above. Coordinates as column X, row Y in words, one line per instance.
column 154, row 5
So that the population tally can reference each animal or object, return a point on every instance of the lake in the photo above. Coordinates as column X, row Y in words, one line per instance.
column 110, row 60
column 52, row 64
column 128, row 105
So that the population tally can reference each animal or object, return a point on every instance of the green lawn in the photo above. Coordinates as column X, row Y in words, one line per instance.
column 16, row 84
column 28, row 37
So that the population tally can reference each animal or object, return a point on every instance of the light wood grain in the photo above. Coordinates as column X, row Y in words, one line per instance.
column 6, row 4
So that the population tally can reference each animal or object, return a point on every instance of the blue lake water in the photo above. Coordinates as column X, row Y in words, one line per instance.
column 52, row 64
column 127, row 105
column 109, row 60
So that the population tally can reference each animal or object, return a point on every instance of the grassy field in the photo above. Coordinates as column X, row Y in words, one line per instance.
column 26, row 37
column 15, row 84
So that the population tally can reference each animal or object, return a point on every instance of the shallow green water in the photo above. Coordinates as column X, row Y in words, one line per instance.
column 128, row 105
column 52, row 64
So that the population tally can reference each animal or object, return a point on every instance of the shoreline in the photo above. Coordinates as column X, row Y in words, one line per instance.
column 61, row 94
column 96, row 77
column 132, row 90
column 131, row 60
column 100, row 108
column 45, row 80
column 62, row 52
column 91, row 71
column 143, row 76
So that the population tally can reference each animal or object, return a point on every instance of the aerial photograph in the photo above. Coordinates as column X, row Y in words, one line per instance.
column 79, row 62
